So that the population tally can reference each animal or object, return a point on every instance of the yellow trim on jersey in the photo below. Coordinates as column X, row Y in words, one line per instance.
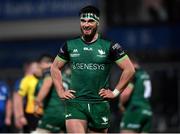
column 60, row 59
column 121, row 59
column 131, row 85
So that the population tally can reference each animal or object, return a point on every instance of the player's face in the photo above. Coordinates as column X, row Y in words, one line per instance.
column 88, row 26
column 44, row 65
column 35, row 69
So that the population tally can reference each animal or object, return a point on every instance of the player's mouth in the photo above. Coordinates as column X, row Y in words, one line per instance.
column 87, row 30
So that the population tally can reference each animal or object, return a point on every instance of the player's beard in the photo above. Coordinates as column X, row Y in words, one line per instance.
column 89, row 37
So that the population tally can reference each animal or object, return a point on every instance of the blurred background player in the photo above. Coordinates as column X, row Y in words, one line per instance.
column 25, row 72
column 135, row 104
column 25, row 118
column 53, row 119
column 5, row 107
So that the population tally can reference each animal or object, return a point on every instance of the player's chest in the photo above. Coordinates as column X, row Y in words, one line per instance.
column 88, row 53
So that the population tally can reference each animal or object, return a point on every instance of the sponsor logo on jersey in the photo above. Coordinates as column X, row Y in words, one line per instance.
column 101, row 53
column 49, row 126
column 105, row 120
column 87, row 49
column 88, row 66
column 116, row 46
column 74, row 53
column 75, row 50
column 130, row 125
column 68, row 115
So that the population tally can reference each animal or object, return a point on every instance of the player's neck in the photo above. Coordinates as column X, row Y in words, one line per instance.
column 92, row 40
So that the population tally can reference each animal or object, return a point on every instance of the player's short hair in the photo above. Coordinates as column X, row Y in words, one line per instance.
column 90, row 12
column 45, row 58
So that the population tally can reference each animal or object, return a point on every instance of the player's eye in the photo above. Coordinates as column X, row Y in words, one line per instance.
column 82, row 20
column 91, row 21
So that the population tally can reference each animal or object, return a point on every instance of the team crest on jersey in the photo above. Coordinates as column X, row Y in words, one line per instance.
column 105, row 120
column 101, row 53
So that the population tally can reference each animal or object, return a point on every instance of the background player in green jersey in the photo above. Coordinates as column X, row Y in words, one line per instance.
column 90, row 57
column 53, row 119
column 135, row 98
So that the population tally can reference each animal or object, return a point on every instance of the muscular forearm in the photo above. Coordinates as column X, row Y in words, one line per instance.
column 46, row 86
column 124, row 79
column 57, row 79
column 9, row 109
column 18, row 106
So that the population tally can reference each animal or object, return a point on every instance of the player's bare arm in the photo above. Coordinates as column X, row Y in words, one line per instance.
column 127, row 73
column 46, row 86
column 8, row 112
column 124, row 97
column 57, row 79
column 20, row 119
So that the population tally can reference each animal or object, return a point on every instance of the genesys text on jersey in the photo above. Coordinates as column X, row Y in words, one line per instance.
column 88, row 66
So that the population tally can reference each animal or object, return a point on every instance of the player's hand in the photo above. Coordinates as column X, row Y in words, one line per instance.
column 8, row 121
column 38, row 108
column 20, row 122
column 67, row 94
column 106, row 93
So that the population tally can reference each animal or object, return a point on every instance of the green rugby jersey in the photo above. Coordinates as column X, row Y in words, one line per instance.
column 141, row 90
column 90, row 65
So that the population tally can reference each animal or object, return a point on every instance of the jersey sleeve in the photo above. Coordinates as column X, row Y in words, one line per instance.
column 23, row 87
column 116, row 52
column 46, row 73
column 63, row 53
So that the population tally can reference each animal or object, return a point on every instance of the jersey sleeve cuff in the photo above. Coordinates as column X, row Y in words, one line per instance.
column 121, row 59
column 131, row 85
column 60, row 59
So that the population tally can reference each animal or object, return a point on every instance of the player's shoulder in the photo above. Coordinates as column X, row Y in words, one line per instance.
column 28, row 79
column 25, row 78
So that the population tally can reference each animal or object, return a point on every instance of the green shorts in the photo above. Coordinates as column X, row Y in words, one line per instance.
column 53, row 119
column 96, row 113
column 137, row 119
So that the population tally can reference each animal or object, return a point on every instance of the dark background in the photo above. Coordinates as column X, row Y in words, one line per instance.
column 149, row 29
